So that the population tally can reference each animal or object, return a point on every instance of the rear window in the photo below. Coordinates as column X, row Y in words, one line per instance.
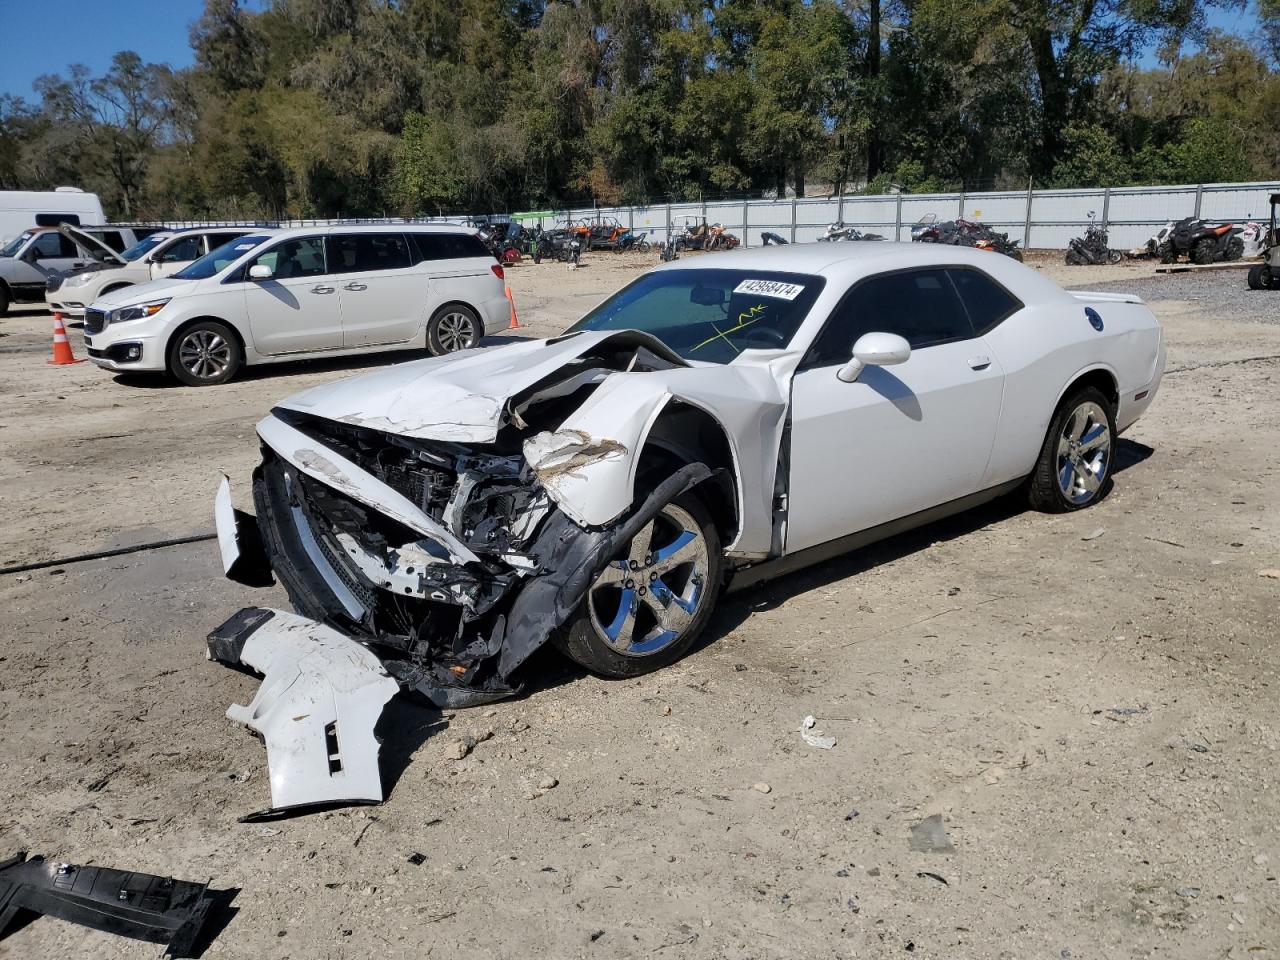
column 447, row 246
column 53, row 219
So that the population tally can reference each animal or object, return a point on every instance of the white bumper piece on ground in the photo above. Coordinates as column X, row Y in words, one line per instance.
column 321, row 696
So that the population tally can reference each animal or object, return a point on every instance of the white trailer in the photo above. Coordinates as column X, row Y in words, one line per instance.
column 23, row 209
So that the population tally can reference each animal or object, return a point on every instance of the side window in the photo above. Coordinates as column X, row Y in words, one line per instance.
column 53, row 245
column 181, row 251
column 988, row 303
column 113, row 239
column 295, row 258
column 213, row 241
column 919, row 305
column 360, row 252
column 448, row 246
column 53, row 219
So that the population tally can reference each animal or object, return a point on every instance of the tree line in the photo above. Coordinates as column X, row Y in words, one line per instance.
column 413, row 107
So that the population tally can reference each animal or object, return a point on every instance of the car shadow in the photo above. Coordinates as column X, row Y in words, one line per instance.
column 345, row 364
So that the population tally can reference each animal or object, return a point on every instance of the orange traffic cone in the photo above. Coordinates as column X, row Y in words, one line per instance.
column 515, row 321
column 61, row 345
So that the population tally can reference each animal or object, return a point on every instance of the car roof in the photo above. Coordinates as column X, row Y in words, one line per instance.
column 369, row 228
column 850, row 261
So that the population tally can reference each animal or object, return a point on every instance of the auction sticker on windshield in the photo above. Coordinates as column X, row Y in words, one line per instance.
column 770, row 288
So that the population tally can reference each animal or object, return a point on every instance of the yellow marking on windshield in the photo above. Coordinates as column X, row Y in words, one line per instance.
column 743, row 321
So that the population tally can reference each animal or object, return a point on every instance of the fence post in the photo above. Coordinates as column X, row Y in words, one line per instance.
column 840, row 206
column 961, row 213
column 745, row 236
column 668, row 236
column 631, row 219
column 897, row 219
column 1026, row 222
column 1106, row 206
column 793, row 219
column 1199, row 196
column 704, row 207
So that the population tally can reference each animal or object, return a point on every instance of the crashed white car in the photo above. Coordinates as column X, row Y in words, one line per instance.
column 716, row 422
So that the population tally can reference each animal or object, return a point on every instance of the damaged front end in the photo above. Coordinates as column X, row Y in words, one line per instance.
column 452, row 561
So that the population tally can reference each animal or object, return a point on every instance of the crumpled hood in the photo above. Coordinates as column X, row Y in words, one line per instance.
column 459, row 398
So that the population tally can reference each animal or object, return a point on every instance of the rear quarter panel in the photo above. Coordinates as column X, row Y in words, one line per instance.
column 1047, row 347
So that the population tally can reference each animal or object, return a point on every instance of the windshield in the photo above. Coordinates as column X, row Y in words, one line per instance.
column 13, row 246
column 710, row 315
column 219, row 258
column 139, row 249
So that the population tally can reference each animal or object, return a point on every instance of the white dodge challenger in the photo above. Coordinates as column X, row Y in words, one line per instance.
column 717, row 421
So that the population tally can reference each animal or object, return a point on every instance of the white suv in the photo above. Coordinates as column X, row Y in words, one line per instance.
column 156, row 256
column 302, row 293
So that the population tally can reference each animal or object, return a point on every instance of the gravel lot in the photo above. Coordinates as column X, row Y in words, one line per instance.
column 1093, row 716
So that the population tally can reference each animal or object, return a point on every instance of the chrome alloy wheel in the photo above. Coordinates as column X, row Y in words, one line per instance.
column 456, row 331
column 1084, row 453
column 645, row 601
column 204, row 354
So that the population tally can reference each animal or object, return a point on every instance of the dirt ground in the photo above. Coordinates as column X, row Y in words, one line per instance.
column 1089, row 702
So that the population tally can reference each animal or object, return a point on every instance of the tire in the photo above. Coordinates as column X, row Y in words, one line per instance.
column 1073, row 470
column 1114, row 256
column 693, row 587
column 453, row 327
column 204, row 354
column 643, row 246
column 1167, row 253
column 4, row 300
column 1235, row 249
column 537, row 254
column 1260, row 277
column 1203, row 252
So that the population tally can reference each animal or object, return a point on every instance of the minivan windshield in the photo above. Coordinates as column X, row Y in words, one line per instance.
column 710, row 315
column 219, row 258
column 141, row 248
column 11, row 248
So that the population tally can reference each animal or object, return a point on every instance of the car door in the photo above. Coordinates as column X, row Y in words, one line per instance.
column 899, row 439
column 175, row 254
column 295, row 310
column 50, row 253
column 383, row 295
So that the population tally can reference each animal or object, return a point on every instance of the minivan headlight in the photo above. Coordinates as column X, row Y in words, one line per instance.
column 138, row 311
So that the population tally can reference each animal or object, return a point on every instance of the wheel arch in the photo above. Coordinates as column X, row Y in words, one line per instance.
column 113, row 287
column 1100, row 376
column 187, row 324
column 453, row 302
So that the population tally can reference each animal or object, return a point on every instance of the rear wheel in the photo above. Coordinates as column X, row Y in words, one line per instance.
column 650, row 603
column 205, row 354
column 1260, row 277
column 452, row 328
column 4, row 300
column 1167, row 253
column 1074, row 467
column 1235, row 248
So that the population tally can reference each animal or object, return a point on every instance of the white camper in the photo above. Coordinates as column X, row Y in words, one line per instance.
column 22, row 209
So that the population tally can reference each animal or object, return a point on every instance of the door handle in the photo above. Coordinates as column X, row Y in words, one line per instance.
column 321, row 288
column 979, row 363
column 355, row 286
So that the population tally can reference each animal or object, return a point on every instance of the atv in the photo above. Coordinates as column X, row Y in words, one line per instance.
column 1266, row 275
column 1202, row 243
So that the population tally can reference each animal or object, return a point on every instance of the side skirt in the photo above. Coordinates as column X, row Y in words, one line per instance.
column 757, row 573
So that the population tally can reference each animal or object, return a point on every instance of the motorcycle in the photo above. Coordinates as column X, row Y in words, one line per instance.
column 561, row 245
column 770, row 239
column 838, row 232
column 670, row 249
column 1092, row 247
column 717, row 238
column 503, row 241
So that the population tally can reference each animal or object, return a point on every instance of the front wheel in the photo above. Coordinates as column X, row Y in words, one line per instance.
column 1260, row 277
column 1114, row 256
column 1204, row 252
column 649, row 604
column 4, row 300
column 452, row 328
column 205, row 354
column 1074, row 467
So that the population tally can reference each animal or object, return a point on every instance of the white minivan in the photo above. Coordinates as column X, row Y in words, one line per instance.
column 302, row 293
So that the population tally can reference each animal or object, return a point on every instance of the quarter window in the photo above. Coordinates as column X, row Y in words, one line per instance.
column 988, row 303
column 181, row 251
column 919, row 305
column 448, row 246
column 295, row 258
column 361, row 252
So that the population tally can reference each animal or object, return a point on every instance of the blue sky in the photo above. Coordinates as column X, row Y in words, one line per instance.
column 46, row 37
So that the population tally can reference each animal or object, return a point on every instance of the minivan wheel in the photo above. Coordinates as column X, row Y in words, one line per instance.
column 4, row 300
column 1074, row 467
column 204, row 354
column 452, row 328
column 648, row 606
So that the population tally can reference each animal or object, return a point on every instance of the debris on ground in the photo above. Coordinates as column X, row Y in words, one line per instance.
column 1270, row 573
column 930, row 836
column 417, row 859
column 927, row 875
column 140, row 906
column 1095, row 534
column 761, row 787
column 548, row 783
column 815, row 739
column 1188, row 892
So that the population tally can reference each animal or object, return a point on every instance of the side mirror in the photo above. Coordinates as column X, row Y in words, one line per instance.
column 874, row 350
column 259, row 271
